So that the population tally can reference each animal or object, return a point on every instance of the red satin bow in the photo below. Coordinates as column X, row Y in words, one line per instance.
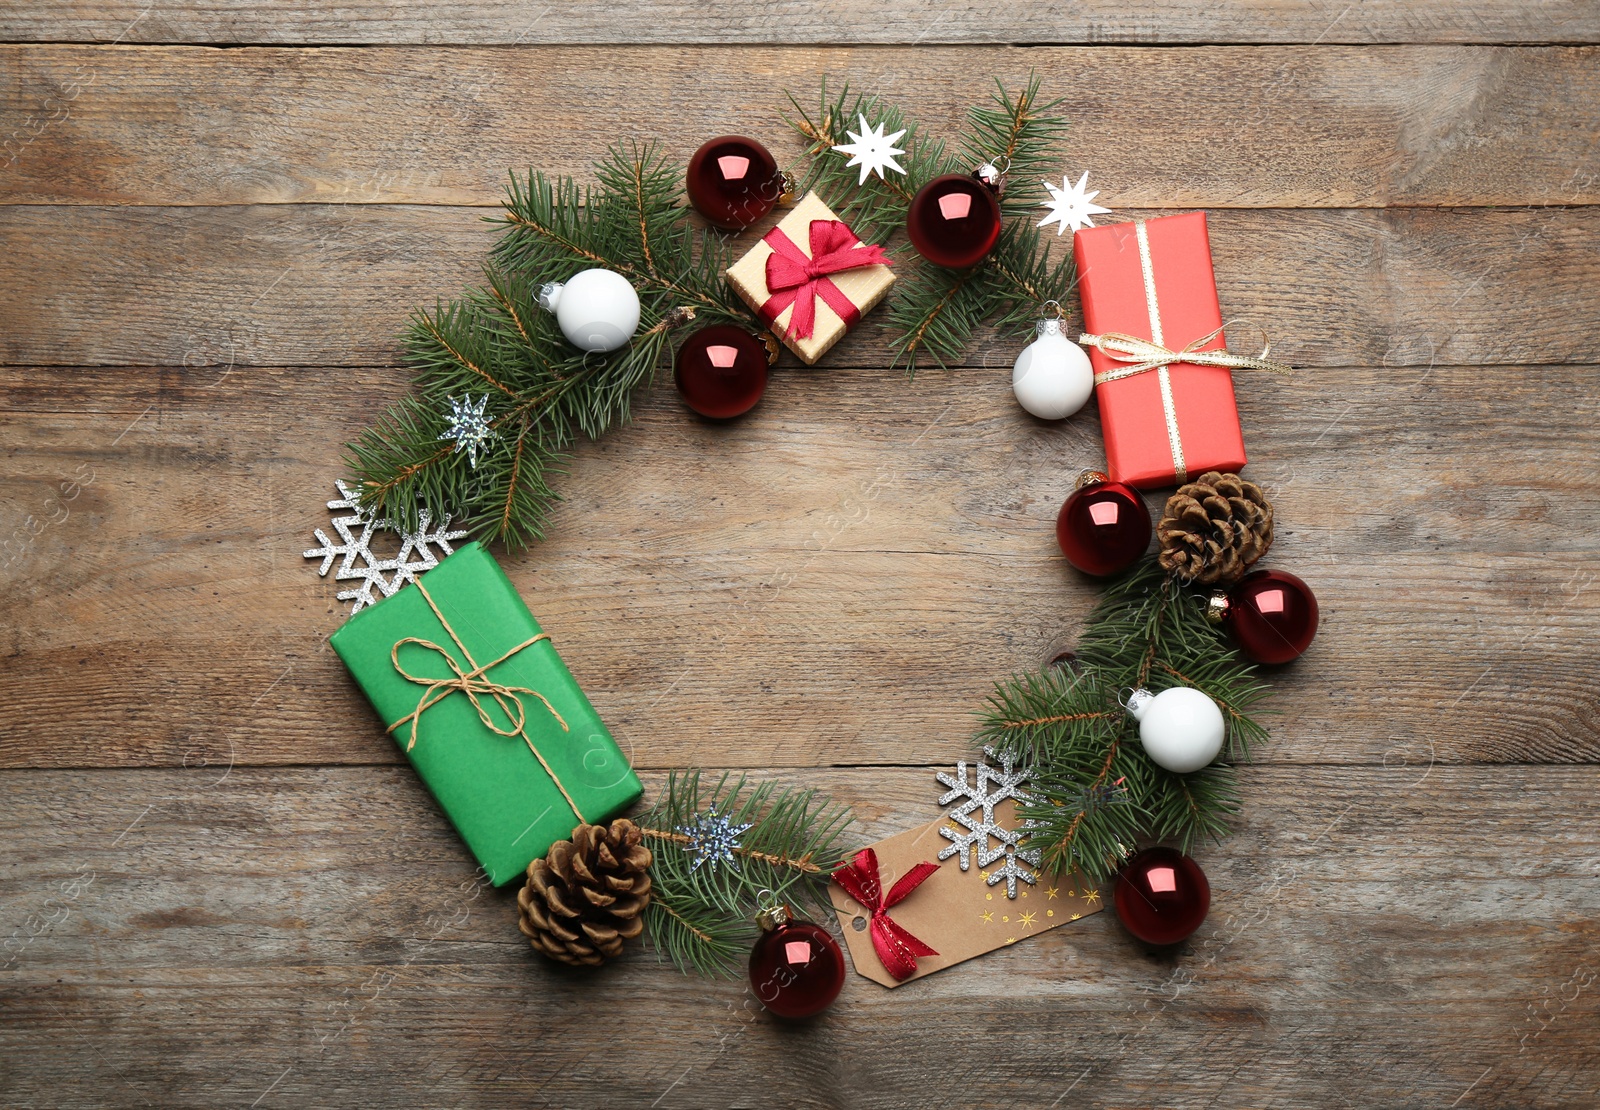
column 897, row 948
column 797, row 279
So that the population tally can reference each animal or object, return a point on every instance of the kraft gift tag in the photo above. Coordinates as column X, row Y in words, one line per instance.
column 957, row 912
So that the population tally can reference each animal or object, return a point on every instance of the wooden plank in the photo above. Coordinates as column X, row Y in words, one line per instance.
column 308, row 936
column 839, row 578
column 1305, row 126
column 900, row 22
column 330, row 285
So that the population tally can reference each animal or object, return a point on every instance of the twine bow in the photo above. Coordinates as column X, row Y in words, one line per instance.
column 896, row 947
column 476, row 684
column 1146, row 355
column 793, row 277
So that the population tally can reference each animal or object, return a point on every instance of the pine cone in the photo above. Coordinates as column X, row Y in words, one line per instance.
column 588, row 894
column 1213, row 528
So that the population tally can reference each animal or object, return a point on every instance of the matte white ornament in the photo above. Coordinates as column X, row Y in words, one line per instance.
column 1181, row 728
column 1052, row 378
column 597, row 309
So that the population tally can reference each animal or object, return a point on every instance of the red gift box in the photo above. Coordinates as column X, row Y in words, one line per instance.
column 1152, row 279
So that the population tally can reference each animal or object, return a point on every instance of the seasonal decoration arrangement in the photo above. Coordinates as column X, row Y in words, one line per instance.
column 1105, row 769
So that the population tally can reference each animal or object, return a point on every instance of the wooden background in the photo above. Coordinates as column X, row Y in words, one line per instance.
column 219, row 884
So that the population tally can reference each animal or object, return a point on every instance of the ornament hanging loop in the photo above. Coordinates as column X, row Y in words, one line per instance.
column 1091, row 478
column 993, row 174
column 770, row 913
column 1135, row 700
column 1052, row 320
column 1217, row 606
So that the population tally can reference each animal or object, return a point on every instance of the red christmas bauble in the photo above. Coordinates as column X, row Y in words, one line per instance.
column 1271, row 616
column 1161, row 896
column 1103, row 528
column 796, row 969
column 954, row 221
column 733, row 181
column 721, row 371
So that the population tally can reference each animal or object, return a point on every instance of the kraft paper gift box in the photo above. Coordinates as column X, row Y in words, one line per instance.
column 809, row 311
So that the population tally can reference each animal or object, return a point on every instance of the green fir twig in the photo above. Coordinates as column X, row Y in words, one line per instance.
column 701, row 918
column 934, row 312
column 542, row 392
column 1098, row 794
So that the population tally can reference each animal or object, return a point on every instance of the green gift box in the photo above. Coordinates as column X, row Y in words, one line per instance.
column 475, row 694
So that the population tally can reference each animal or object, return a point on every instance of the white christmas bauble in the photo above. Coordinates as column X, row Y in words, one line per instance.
column 1053, row 378
column 597, row 309
column 1181, row 728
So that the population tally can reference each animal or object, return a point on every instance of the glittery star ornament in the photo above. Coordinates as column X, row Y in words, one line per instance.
column 713, row 839
column 872, row 150
column 1070, row 206
column 468, row 427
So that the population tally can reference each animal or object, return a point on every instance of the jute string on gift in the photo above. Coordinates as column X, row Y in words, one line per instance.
column 1150, row 354
column 473, row 683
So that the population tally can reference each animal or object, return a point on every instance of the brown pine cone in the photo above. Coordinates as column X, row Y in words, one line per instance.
column 588, row 894
column 1213, row 528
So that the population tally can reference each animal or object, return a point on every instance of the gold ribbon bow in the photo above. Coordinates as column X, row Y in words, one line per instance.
column 1146, row 355
column 474, row 684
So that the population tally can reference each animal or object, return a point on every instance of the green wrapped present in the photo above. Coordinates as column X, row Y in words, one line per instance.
column 474, row 693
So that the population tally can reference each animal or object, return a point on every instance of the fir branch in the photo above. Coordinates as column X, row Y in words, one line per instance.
column 696, row 942
column 935, row 312
column 801, row 863
column 543, row 392
column 1066, row 724
column 792, row 846
column 876, row 208
column 1022, row 135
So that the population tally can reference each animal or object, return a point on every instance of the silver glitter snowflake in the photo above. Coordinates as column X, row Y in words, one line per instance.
column 357, row 563
column 976, row 825
column 469, row 428
column 713, row 839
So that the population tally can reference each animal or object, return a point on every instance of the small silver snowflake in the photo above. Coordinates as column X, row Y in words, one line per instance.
column 469, row 428
column 713, row 839
column 357, row 563
column 975, row 824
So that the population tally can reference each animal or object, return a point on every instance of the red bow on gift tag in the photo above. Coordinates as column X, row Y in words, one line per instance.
column 897, row 948
column 794, row 278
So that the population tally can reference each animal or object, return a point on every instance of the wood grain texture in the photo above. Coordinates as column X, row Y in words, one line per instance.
column 1304, row 126
column 330, row 285
column 839, row 578
column 218, row 888
column 304, row 936
column 905, row 22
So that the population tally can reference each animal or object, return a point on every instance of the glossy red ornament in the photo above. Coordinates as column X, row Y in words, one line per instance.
column 1161, row 896
column 954, row 220
column 733, row 181
column 721, row 371
column 1271, row 615
column 796, row 968
column 1104, row 527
